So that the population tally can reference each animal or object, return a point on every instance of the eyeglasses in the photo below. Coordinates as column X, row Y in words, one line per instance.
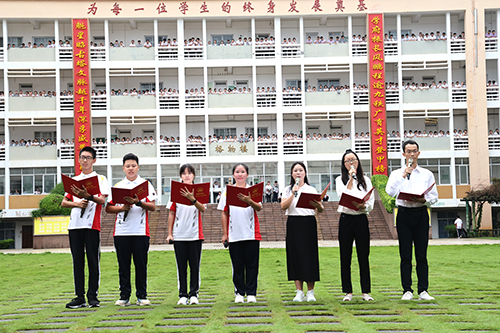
column 414, row 151
column 351, row 161
column 86, row 158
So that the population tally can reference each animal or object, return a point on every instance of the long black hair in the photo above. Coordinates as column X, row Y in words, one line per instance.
column 292, row 181
column 235, row 166
column 189, row 167
column 359, row 172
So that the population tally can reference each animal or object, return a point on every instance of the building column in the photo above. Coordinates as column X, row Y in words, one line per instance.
column 477, row 115
column 6, row 120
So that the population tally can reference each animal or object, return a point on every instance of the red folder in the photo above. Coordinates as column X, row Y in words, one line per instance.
column 347, row 199
column 410, row 196
column 118, row 194
column 201, row 192
column 91, row 184
column 306, row 197
column 255, row 193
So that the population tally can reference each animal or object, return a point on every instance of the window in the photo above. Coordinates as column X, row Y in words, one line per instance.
column 2, row 181
column 32, row 180
column 462, row 171
column 494, row 167
column 224, row 131
column 17, row 41
column 46, row 135
column 99, row 86
column 25, row 86
column 329, row 82
column 335, row 34
column 444, row 219
column 218, row 38
column 151, row 39
column 148, row 86
column 439, row 167
column 7, row 230
column 220, row 84
column 42, row 40
column 99, row 39
column 294, row 83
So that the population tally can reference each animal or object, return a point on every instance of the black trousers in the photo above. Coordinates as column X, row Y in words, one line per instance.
column 83, row 241
column 268, row 197
column 126, row 248
column 245, row 261
column 188, row 252
column 413, row 229
column 354, row 227
column 275, row 196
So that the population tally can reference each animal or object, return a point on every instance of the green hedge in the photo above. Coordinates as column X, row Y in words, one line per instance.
column 379, row 182
column 51, row 204
column 6, row 244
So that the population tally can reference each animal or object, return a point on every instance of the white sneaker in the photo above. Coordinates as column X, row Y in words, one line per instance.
column 193, row 300
column 239, row 299
column 408, row 296
column 251, row 299
column 182, row 301
column 310, row 296
column 424, row 296
column 122, row 302
column 347, row 298
column 143, row 301
column 299, row 297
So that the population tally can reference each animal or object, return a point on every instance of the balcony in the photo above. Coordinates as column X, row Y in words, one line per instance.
column 457, row 46
column 267, row 148
column 328, row 146
column 193, row 52
column 196, row 149
column 293, row 147
column 290, row 51
column 461, row 143
column 491, row 44
column 168, row 52
column 169, row 102
column 2, row 153
column 168, row 149
column 32, row 104
column 68, row 151
column 229, row 52
column 459, row 95
column 394, row 144
column 196, row 101
column 231, row 148
column 493, row 142
column 96, row 103
column 327, row 50
column 132, row 102
column 2, row 103
column 26, row 54
column 131, row 53
column 491, row 94
column 359, row 49
column 327, row 98
column 292, row 98
column 427, row 96
column 266, row 100
column 142, row 150
column 391, row 48
column 230, row 101
column 264, row 51
column 361, row 97
column 392, row 96
column 96, row 53
column 424, row 47
column 24, row 153
column 1, row 53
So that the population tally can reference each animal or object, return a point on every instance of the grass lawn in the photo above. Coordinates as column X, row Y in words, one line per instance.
column 464, row 279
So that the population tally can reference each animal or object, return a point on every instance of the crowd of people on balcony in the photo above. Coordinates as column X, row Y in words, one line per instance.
column 413, row 86
column 491, row 34
column 491, row 83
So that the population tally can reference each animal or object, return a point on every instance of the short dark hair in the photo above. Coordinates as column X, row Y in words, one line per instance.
column 90, row 150
column 130, row 156
column 409, row 142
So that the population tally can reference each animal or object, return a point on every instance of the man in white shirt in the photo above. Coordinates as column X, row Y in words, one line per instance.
column 459, row 224
column 412, row 220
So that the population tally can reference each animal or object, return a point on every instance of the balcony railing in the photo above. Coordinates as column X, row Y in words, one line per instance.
column 168, row 52
column 361, row 97
column 97, row 103
column 68, row 151
column 292, row 99
column 362, row 145
column 393, row 145
column 2, row 104
column 459, row 94
column 195, row 101
column 457, row 46
column 267, row 148
column 193, row 52
column 359, row 49
column 491, row 94
column 491, row 44
column 293, row 147
column 494, row 142
column 266, row 100
column 2, row 153
column 195, row 149
column 290, row 51
column 391, row 48
column 1, row 53
column 392, row 96
column 96, row 53
column 264, row 51
column 168, row 149
column 461, row 143
column 169, row 102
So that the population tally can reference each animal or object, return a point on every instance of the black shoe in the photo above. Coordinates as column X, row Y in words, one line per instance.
column 94, row 303
column 77, row 302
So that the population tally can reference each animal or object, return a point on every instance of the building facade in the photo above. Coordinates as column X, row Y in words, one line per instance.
column 268, row 79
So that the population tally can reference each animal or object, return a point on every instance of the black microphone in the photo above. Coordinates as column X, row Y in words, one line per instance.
column 353, row 174
column 410, row 162
column 170, row 241
column 226, row 244
column 82, row 210
column 125, row 215
column 297, row 183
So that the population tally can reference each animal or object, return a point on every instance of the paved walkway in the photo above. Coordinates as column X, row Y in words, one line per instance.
column 280, row 245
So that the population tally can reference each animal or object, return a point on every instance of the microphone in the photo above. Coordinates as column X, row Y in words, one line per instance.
column 125, row 215
column 297, row 183
column 410, row 162
column 353, row 174
column 226, row 244
column 82, row 211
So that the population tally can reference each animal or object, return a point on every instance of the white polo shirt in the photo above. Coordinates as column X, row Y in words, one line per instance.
column 187, row 222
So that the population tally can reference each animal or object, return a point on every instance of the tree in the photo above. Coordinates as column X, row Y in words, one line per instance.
column 475, row 200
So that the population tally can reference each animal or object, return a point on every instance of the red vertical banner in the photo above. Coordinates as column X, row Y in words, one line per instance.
column 378, row 116
column 81, row 87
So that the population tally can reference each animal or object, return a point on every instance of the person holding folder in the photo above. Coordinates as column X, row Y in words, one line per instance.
column 84, row 230
column 185, row 230
column 302, row 259
column 412, row 220
column 240, row 229
column 131, row 235
column 353, row 224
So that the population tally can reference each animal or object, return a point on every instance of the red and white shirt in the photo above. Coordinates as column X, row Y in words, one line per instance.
column 243, row 223
column 137, row 221
column 92, row 217
column 187, row 222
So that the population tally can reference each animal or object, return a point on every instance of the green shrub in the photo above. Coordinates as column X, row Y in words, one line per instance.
column 51, row 205
column 379, row 182
column 59, row 189
column 6, row 244
column 452, row 230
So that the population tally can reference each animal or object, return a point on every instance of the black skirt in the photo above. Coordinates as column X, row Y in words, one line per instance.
column 302, row 259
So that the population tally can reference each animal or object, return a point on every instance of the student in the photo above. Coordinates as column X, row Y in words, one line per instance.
column 353, row 224
column 302, row 258
column 131, row 235
column 240, row 227
column 186, row 231
column 84, row 231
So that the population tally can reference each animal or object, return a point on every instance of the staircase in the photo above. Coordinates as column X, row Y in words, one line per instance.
column 272, row 222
